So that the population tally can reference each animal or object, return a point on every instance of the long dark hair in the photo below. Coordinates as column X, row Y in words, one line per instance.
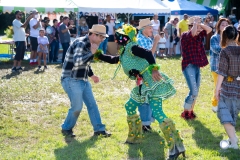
column 229, row 33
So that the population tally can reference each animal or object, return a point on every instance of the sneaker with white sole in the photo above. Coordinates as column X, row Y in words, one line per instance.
column 215, row 109
column 19, row 69
column 233, row 146
column 14, row 69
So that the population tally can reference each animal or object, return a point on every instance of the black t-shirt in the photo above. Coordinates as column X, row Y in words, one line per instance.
column 73, row 30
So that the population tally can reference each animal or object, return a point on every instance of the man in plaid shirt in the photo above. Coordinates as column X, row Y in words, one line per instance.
column 144, row 41
column 74, row 80
column 193, row 57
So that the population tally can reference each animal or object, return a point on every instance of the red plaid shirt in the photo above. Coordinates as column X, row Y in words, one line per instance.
column 193, row 50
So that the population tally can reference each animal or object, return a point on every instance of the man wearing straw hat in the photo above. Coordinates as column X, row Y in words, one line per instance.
column 193, row 57
column 75, row 72
column 144, row 40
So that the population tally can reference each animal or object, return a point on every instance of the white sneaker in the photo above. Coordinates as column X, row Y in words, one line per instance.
column 233, row 146
column 215, row 109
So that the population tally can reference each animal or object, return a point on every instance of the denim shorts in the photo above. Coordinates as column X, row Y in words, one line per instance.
column 228, row 110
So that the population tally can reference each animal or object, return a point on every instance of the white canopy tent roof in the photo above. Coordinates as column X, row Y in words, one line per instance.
column 43, row 6
column 122, row 6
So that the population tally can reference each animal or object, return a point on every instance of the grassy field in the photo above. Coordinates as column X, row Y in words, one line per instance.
column 33, row 106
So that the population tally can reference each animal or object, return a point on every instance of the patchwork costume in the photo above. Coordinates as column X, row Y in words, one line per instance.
column 138, row 64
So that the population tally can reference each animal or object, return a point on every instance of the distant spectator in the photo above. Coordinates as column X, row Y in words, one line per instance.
column 83, row 27
column 19, row 38
column 42, row 48
column 156, row 24
column 170, row 36
column 46, row 21
column 73, row 30
column 208, row 23
column 64, row 34
column 60, row 21
column 213, row 22
column 35, row 25
column 155, row 27
column 111, row 30
column 54, row 42
column 183, row 24
column 162, row 44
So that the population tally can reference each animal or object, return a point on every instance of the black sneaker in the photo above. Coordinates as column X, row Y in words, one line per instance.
column 14, row 69
column 68, row 133
column 147, row 128
column 45, row 67
column 39, row 67
column 102, row 133
column 19, row 69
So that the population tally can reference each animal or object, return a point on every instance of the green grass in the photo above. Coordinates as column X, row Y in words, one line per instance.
column 4, row 47
column 33, row 106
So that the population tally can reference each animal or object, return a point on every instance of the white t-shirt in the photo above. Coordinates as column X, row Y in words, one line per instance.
column 156, row 25
column 34, row 32
column 110, row 27
column 42, row 40
column 19, row 32
column 162, row 45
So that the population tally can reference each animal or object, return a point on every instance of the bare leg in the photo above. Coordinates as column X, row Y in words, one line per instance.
column 39, row 58
column 44, row 59
column 230, row 129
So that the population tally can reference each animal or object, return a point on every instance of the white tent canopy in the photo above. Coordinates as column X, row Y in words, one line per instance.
column 43, row 6
column 122, row 6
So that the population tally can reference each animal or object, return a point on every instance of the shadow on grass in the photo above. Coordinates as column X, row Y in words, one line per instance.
column 74, row 149
column 149, row 149
column 206, row 140
column 204, row 137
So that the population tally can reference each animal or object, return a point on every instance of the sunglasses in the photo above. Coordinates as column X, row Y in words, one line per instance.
column 19, row 14
column 190, row 25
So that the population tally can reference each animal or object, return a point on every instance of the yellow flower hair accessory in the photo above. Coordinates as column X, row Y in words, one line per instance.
column 130, row 31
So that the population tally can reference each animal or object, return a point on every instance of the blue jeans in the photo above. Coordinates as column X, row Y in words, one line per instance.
column 54, row 51
column 65, row 47
column 103, row 46
column 80, row 91
column 192, row 76
column 145, row 114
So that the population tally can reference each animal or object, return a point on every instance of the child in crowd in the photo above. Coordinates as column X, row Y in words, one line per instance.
column 42, row 49
column 162, row 44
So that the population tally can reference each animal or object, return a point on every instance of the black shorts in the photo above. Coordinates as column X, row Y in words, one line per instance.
column 20, row 50
column 34, row 43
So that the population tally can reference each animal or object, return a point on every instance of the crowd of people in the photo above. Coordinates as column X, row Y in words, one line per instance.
column 138, row 48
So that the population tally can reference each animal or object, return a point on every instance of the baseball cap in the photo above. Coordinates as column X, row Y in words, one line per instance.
column 34, row 11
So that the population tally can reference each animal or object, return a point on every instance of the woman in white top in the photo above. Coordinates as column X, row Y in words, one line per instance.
column 156, row 25
column 156, row 28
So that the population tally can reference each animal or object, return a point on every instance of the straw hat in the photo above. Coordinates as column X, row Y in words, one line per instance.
column 191, row 20
column 144, row 23
column 98, row 29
